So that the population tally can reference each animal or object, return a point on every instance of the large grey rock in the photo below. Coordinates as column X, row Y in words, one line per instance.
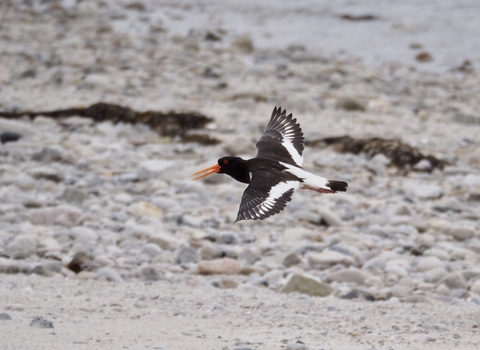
column 307, row 285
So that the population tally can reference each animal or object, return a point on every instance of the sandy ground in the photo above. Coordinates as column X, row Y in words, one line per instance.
column 97, row 315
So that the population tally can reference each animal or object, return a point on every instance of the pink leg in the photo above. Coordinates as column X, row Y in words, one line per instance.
column 319, row 190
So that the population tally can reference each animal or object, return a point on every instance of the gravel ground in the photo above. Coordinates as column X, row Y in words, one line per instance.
column 105, row 238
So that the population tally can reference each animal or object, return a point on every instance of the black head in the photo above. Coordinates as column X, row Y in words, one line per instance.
column 234, row 166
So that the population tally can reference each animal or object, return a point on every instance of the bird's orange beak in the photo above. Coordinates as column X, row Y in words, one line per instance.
column 208, row 171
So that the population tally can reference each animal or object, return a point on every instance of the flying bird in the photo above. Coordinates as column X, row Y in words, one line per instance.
column 275, row 173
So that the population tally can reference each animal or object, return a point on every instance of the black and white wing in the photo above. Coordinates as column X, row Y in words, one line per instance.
column 283, row 139
column 265, row 197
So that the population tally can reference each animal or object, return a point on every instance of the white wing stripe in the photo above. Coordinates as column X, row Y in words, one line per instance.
column 276, row 192
column 297, row 158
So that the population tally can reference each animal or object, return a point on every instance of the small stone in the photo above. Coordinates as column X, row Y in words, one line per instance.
column 415, row 299
column 227, row 238
column 225, row 266
column 124, row 198
column 84, row 235
column 297, row 346
column 475, row 287
column 424, row 191
column 25, row 182
column 306, row 285
column 164, row 241
column 108, row 274
column 248, row 270
column 41, row 322
column 9, row 137
column 358, row 294
column 240, row 145
column 21, row 247
column 247, row 256
column 459, row 293
column 4, row 316
column 150, row 273
column 462, row 232
column 291, row 259
column 74, row 196
column 151, row 250
column 210, row 252
column 186, row 254
column 273, row 278
column 292, row 234
column 329, row 258
column 244, row 43
column 438, row 253
column 329, row 218
column 397, row 267
column 454, row 280
column 348, row 103
column 228, row 284
column 15, row 307
column 49, row 154
column 350, row 275
column 48, row 268
column 429, row 263
column 375, row 265
column 49, row 173
column 146, row 209
column 424, row 57
column 442, row 290
column 61, row 215
column 150, row 169
column 463, row 254
column 81, row 262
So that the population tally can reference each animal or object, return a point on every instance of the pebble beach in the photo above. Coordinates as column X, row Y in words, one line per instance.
column 107, row 243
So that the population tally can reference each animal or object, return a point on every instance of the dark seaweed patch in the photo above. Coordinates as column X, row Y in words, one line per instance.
column 166, row 124
column 401, row 155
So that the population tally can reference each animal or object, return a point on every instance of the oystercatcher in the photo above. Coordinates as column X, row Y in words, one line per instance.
column 275, row 173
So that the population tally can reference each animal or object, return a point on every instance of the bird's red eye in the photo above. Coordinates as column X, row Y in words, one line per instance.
column 225, row 161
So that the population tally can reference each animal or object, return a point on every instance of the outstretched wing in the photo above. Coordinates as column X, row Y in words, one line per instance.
column 283, row 139
column 263, row 198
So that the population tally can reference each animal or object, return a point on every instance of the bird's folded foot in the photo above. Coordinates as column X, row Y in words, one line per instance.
column 319, row 190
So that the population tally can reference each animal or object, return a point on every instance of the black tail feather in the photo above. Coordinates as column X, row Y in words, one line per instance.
column 337, row 186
